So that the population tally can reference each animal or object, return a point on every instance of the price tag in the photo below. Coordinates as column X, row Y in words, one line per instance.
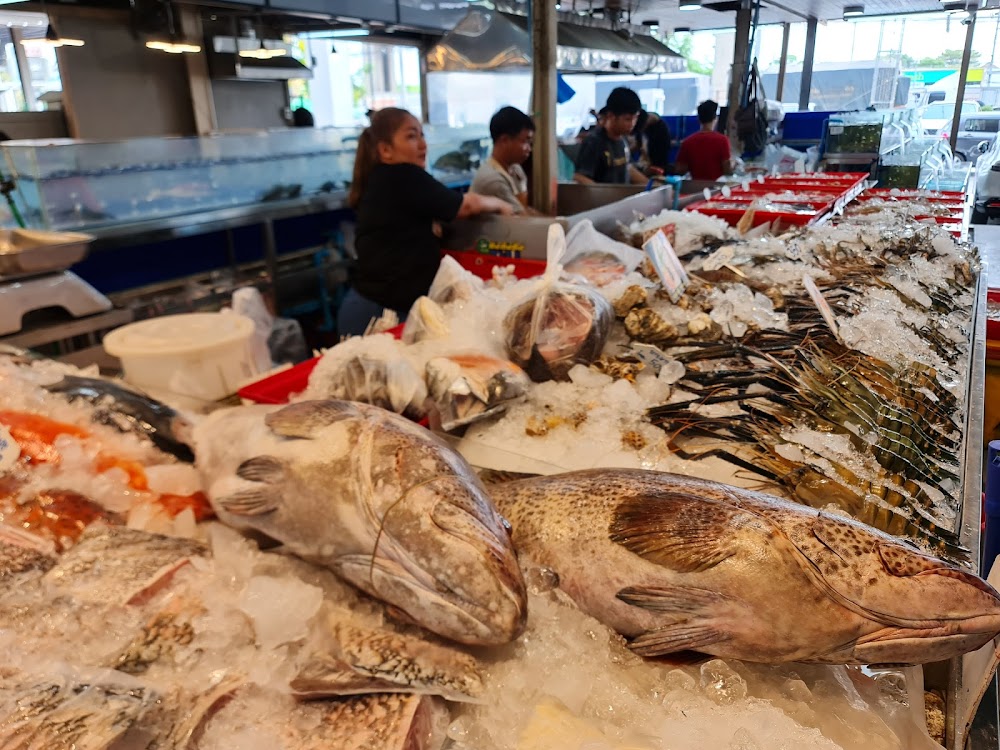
column 726, row 191
column 707, row 193
column 721, row 257
column 10, row 451
column 760, row 179
column 745, row 185
column 822, row 305
column 651, row 356
column 668, row 267
column 836, row 129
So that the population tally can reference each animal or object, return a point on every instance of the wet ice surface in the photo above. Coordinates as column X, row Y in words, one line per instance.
column 82, row 466
column 572, row 684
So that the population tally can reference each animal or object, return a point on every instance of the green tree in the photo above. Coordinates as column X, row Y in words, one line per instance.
column 684, row 46
column 950, row 58
column 907, row 61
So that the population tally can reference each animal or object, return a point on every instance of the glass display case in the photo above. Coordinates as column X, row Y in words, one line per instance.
column 68, row 184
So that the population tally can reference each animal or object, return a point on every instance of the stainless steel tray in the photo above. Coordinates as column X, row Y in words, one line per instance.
column 27, row 252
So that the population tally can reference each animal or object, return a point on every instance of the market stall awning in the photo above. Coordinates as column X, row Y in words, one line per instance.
column 488, row 40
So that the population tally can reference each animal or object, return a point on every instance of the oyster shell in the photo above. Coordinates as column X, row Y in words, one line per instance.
column 647, row 326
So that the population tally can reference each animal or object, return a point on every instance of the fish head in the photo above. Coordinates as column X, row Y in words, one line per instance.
column 928, row 609
column 443, row 554
column 413, row 525
column 444, row 557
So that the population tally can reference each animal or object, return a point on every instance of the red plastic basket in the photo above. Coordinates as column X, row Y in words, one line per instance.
column 482, row 265
column 278, row 388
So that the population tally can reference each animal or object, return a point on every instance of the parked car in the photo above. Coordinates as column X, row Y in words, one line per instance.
column 987, row 205
column 939, row 114
column 973, row 131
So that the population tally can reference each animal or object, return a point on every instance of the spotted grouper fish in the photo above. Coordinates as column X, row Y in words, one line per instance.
column 677, row 564
column 377, row 499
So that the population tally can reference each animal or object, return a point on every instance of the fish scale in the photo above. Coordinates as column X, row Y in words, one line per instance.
column 674, row 563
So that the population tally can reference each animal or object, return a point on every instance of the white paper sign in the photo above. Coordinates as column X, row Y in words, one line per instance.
column 668, row 267
column 821, row 304
column 651, row 356
column 10, row 451
column 721, row 257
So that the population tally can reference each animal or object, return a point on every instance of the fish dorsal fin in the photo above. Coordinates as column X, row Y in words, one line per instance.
column 679, row 531
column 903, row 562
column 305, row 418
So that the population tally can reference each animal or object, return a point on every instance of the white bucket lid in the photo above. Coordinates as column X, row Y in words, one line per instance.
column 178, row 334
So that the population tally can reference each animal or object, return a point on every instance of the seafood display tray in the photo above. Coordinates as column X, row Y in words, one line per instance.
column 25, row 252
column 733, row 215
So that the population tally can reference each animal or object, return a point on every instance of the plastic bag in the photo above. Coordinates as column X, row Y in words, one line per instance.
column 564, row 325
column 782, row 159
column 287, row 342
column 453, row 283
column 596, row 257
column 426, row 320
column 373, row 370
column 249, row 302
column 559, row 325
column 467, row 388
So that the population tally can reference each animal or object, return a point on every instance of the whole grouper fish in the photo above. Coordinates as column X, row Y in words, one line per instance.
column 677, row 563
column 377, row 499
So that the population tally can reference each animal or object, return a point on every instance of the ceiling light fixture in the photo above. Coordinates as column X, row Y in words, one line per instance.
column 52, row 39
column 342, row 33
column 853, row 11
column 651, row 23
column 173, row 44
column 682, row 30
column 262, row 52
column 689, row 5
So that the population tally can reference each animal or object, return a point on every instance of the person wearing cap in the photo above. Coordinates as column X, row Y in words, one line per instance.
column 604, row 155
column 705, row 154
column 502, row 174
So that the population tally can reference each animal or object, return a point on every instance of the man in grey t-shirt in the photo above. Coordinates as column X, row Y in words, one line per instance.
column 502, row 176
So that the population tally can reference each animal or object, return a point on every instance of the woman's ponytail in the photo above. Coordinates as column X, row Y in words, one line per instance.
column 364, row 161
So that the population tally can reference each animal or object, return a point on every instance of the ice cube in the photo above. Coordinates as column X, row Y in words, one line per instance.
column 721, row 683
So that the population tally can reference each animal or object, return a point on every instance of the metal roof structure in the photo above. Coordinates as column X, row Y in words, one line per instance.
column 719, row 14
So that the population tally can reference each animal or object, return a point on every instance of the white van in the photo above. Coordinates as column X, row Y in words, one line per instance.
column 939, row 114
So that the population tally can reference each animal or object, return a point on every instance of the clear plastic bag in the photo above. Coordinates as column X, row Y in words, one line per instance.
column 467, row 388
column 373, row 370
column 564, row 325
column 426, row 320
column 560, row 324
column 453, row 283
column 596, row 257
column 249, row 302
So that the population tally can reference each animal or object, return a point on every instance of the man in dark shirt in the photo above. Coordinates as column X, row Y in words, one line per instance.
column 705, row 154
column 604, row 156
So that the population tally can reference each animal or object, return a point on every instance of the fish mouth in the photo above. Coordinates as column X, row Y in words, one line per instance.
column 904, row 646
column 445, row 558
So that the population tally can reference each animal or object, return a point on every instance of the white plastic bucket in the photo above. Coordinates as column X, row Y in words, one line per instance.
column 187, row 359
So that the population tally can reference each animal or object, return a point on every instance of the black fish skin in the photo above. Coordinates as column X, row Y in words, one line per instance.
column 129, row 411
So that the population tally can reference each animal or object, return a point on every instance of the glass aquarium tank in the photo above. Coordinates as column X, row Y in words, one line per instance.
column 69, row 184
column 854, row 133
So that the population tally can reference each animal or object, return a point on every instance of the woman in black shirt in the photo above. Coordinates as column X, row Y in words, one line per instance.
column 398, row 205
